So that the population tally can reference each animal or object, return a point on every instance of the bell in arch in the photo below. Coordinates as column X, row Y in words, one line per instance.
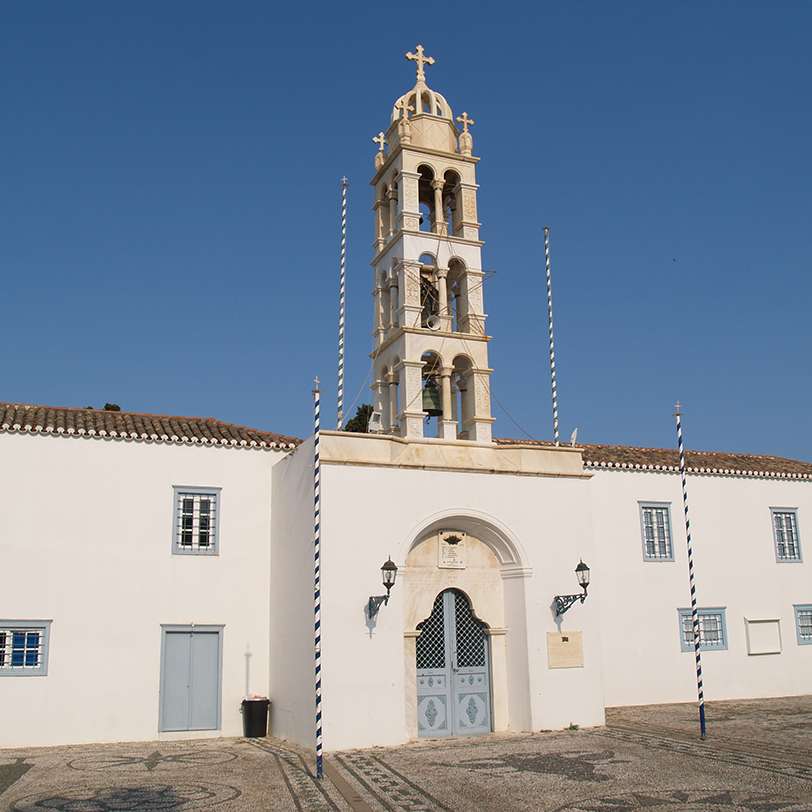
column 432, row 400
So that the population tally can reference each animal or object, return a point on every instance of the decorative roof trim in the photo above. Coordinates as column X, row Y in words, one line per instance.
column 626, row 466
column 163, row 429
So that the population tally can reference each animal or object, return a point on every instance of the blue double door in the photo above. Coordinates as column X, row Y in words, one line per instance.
column 190, row 678
column 453, row 670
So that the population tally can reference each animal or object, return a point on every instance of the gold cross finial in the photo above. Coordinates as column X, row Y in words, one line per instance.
column 380, row 140
column 465, row 121
column 421, row 61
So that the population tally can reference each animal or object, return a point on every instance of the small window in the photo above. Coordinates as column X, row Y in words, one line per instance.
column 785, row 534
column 655, row 525
column 712, row 630
column 24, row 648
column 196, row 521
column 803, row 624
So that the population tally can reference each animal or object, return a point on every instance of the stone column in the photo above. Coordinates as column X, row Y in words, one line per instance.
column 409, row 284
column 466, row 211
column 379, row 231
column 411, row 398
column 472, row 314
column 477, row 419
column 378, row 401
column 442, row 298
column 394, row 409
column 439, row 219
column 409, row 204
column 447, row 424
column 378, row 310
column 392, row 196
column 394, row 304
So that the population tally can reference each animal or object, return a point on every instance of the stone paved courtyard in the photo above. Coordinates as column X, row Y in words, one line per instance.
column 758, row 757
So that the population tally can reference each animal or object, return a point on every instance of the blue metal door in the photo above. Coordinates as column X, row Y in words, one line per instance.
column 453, row 673
column 190, row 679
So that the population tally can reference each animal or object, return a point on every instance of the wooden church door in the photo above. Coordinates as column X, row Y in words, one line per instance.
column 453, row 671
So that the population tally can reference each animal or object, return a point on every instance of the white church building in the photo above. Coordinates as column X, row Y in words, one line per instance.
column 158, row 569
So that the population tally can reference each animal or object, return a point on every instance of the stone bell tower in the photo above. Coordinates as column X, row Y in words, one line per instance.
column 430, row 348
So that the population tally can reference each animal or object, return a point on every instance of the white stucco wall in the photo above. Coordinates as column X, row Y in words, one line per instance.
column 291, row 599
column 85, row 532
column 370, row 513
column 735, row 567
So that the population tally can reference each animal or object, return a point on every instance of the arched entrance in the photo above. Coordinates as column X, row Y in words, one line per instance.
column 453, row 670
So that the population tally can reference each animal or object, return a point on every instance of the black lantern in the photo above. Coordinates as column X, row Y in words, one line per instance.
column 564, row 602
column 582, row 574
column 389, row 571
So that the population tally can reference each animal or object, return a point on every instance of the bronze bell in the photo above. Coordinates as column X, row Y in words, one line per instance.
column 432, row 400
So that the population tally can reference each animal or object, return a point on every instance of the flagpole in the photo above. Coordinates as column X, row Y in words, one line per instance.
column 694, row 611
column 553, row 381
column 317, row 574
column 342, row 295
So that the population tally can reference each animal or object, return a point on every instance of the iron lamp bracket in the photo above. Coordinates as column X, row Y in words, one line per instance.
column 375, row 603
column 564, row 602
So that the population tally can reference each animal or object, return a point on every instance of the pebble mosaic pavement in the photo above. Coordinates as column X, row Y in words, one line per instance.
column 758, row 758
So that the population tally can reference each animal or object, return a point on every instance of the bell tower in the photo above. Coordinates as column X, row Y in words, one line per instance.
column 430, row 348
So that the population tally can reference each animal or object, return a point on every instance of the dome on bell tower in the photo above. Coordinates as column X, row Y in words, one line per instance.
column 422, row 117
column 422, row 100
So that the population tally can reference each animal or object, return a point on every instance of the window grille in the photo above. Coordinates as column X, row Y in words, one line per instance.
column 196, row 515
column 656, row 526
column 23, row 648
column 470, row 634
column 712, row 630
column 785, row 529
column 803, row 624
column 431, row 642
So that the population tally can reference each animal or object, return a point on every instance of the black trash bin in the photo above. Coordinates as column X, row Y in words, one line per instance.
column 255, row 718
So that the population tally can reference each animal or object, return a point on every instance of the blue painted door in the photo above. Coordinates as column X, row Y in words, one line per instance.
column 190, row 680
column 453, row 670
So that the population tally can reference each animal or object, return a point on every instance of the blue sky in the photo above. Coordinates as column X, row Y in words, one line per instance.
column 169, row 201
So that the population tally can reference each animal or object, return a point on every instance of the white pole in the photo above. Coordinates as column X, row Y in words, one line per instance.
column 342, row 291
column 550, row 331
column 694, row 612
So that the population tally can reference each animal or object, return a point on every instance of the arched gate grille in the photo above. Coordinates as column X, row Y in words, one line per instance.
column 453, row 678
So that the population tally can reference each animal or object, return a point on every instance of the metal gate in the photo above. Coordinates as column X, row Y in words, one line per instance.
column 453, row 671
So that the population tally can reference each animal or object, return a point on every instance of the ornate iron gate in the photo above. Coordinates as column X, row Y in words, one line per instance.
column 453, row 673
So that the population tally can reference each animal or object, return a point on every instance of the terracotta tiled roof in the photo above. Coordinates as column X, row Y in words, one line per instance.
column 158, row 428
column 698, row 462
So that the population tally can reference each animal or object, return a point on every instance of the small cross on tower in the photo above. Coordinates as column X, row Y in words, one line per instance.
column 421, row 61
column 380, row 140
column 465, row 121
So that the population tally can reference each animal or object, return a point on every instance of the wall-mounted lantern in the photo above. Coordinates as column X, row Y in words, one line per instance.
column 389, row 572
column 563, row 602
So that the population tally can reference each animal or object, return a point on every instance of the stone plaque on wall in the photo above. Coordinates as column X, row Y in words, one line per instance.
column 565, row 650
column 451, row 554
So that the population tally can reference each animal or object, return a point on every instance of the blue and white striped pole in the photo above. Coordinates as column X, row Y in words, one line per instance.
column 342, row 295
column 317, row 573
column 694, row 613
column 551, row 337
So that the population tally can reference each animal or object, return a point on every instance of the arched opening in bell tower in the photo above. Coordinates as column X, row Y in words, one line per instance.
column 431, row 391
column 425, row 197
column 457, row 304
column 429, row 298
column 451, row 209
column 462, row 392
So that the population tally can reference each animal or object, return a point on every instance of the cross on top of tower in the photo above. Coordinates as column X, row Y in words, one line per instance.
column 421, row 61
column 380, row 140
column 465, row 121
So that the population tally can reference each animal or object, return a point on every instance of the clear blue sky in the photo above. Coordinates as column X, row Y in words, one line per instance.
column 169, row 196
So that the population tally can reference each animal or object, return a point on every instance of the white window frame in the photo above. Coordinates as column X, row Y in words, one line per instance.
column 703, row 611
column 665, row 506
column 797, row 558
column 178, row 492
column 8, row 627
column 802, row 607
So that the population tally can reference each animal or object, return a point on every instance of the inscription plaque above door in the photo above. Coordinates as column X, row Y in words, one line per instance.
column 451, row 550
